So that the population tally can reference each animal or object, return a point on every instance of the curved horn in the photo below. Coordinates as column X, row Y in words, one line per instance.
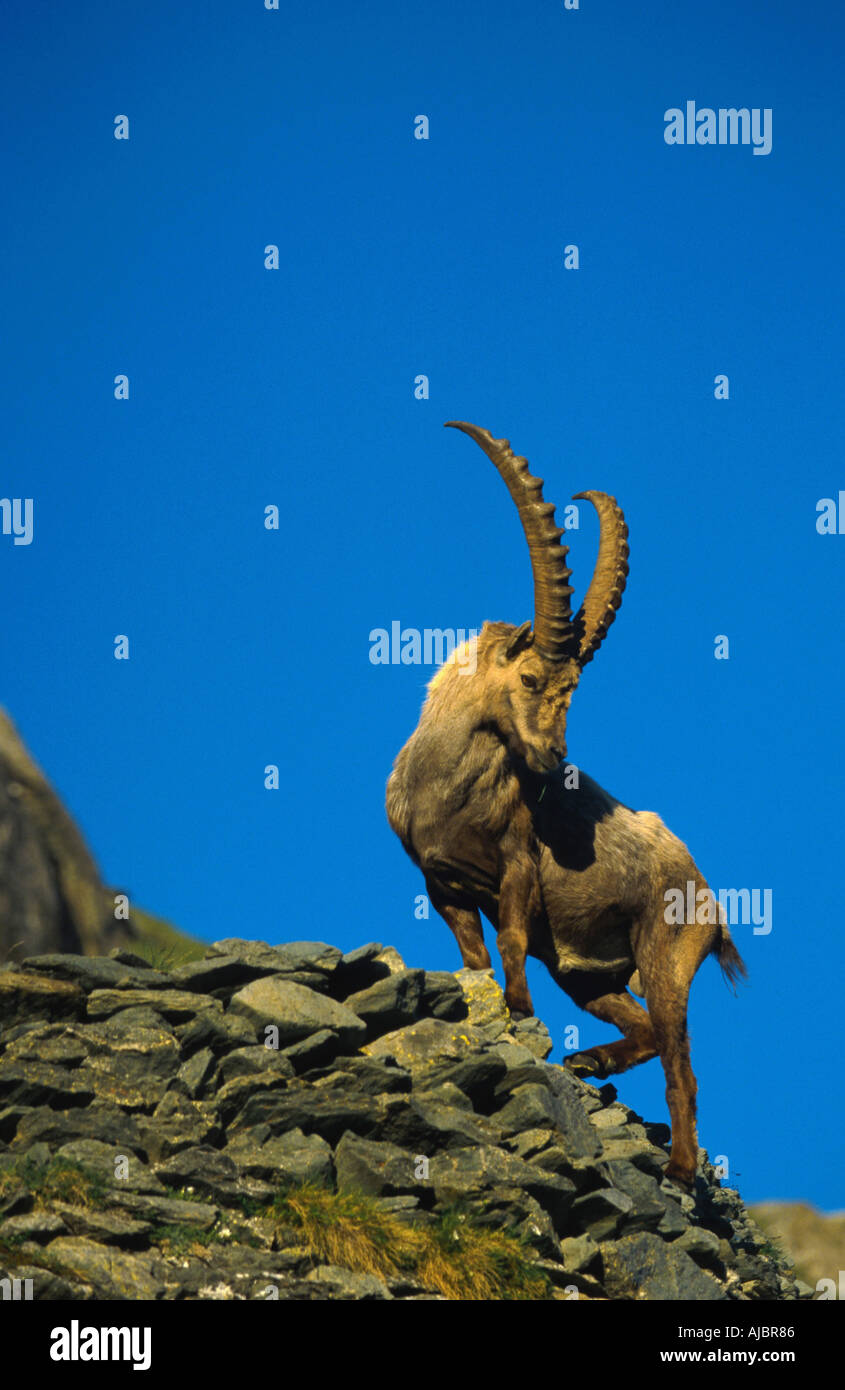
column 607, row 585
column 553, row 631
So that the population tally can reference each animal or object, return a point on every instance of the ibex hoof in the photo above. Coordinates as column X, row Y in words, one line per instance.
column 681, row 1178
column 582, row 1064
column 517, row 1015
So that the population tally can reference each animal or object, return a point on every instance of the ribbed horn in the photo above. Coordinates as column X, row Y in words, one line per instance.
column 553, row 632
column 607, row 585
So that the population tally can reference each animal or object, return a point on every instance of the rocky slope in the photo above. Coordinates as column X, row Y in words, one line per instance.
column 291, row 1122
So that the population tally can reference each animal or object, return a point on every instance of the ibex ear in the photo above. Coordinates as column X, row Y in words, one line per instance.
column 522, row 638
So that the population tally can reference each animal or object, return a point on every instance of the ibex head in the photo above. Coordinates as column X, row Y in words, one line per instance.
column 530, row 672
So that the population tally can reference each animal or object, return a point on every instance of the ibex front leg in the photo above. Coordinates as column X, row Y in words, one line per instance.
column 519, row 903
column 465, row 922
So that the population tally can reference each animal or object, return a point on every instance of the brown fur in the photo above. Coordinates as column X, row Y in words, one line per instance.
column 567, row 875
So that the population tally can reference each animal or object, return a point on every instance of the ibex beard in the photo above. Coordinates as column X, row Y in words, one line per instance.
column 563, row 871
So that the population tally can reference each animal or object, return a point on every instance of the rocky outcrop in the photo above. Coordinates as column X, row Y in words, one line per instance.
column 51, row 897
column 294, row 1122
column 51, row 894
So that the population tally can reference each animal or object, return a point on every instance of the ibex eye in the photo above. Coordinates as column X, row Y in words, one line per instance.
column 530, row 682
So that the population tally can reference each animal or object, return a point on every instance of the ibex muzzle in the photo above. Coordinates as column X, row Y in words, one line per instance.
column 563, row 871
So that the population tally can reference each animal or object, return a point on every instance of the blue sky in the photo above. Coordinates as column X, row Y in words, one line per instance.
column 295, row 387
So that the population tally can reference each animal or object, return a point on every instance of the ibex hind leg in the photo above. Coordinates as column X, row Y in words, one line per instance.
column 667, row 965
column 605, row 997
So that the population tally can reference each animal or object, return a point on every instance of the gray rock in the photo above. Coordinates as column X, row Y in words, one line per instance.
column 168, row 1211
column 97, row 972
column 132, row 1069
column 442, row 996
column 202, row 1168
column 358, row 970
column 673, row 1222
column 702, row 1245
column 530, row 1142
column 528, row 1075
column 253, row 1061
column 513, row 1054
column 27, row 994
column 462, row 1173
column 310, row 1110
column 602, row 1213
column 650, row 1205
column 533, row 1034
column 314, row 1051
column 221, row 1032
column 176, row 1005
column 311, row 964
column 425, row 1047
column 581, row 1172
column 345, row 1284
column 371, row 1076
column 535, row 1107
column 311, row 955
column 390, row 957
column 110, row 1273
column 644, row 1267
column 477, row 1075
column 292, row 1157
column 580, row 1253
column 389, row 1003
column 58, row 1044
column 447, row 1094
column 509, row 1208
column 426, row 1125
column 484, row 1000
column 179, row 1123
column 38, row 1083
column 108, row 1227
column 194, row 1075
column 609, row 1118
column 127, row 1020
column 218, row 973
column 35, row 1225
column 642, row 1155
column 377, row 1168
column 296, row 1012
column 98, row 1121
column 121, row 1168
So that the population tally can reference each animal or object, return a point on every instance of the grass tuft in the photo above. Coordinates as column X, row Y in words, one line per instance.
column 61, row 1180
column 454, row 1257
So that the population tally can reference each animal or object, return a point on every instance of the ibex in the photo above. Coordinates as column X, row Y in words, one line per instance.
column 482, row 802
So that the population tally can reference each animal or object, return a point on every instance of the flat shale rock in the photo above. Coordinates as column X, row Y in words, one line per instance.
column 296, row 1012
column 27, row 994
column 109, row 1272
column 422, row 1046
